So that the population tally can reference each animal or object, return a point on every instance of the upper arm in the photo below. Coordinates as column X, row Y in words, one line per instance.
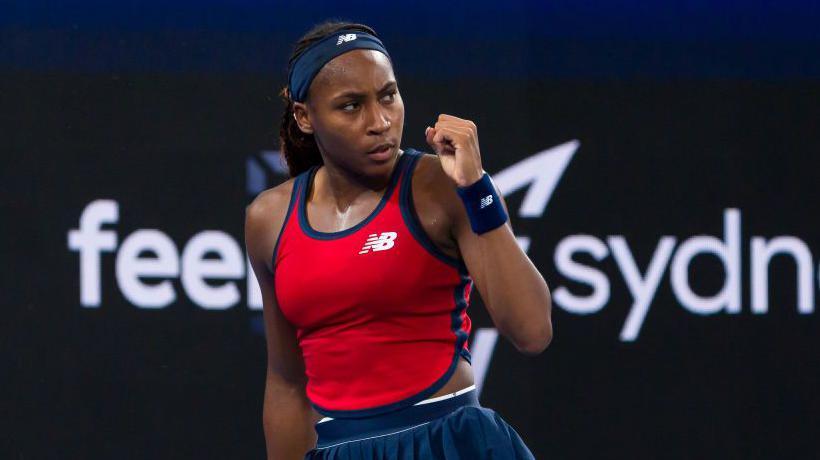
column 450, row 206
column 263, row 222
column 287, row 417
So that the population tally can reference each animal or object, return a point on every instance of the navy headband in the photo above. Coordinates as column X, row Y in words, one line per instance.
column 311, row 61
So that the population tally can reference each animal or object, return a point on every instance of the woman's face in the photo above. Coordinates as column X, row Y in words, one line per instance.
column 354, row 106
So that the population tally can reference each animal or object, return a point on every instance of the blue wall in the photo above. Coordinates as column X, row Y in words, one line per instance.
column 611, row 39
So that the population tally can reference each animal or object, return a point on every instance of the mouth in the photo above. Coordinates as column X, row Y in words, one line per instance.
column 381, row 151
column 381, row 148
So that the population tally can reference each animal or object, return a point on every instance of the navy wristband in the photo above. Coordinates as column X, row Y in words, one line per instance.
column 483, row 206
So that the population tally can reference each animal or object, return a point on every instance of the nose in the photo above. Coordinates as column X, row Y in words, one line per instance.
column 378, row 120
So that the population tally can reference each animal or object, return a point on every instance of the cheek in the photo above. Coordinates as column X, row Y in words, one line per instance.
column 335, row 128
column 339, row 135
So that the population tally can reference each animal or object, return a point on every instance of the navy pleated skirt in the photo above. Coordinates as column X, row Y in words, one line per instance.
column 457, row 427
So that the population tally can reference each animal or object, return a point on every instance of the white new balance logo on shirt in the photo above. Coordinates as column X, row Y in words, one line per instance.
column 382, row 242
column 345, row 38
column 486, row 201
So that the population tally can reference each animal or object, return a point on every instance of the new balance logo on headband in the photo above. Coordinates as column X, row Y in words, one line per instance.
column 345, row 38
column 381, row 242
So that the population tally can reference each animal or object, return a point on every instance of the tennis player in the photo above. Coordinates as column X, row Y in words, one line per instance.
column 366, row 258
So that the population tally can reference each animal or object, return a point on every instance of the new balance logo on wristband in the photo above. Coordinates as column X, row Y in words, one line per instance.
column 381, row 242
column 486, row 201
column 345, row 38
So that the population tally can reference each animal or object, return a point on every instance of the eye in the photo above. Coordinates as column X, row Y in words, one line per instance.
column 352, row 106
column 391, row 96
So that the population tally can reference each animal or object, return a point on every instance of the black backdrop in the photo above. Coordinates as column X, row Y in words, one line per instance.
column 656, row 157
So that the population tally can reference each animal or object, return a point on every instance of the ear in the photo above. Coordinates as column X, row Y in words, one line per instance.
column 300, row 113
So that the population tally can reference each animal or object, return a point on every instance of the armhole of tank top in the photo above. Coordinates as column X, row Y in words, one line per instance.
column 411, row 218
column 294, row 193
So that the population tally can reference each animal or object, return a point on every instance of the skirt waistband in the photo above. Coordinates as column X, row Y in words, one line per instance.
column 337, row 431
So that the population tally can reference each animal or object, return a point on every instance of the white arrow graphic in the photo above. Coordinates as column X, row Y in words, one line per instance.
column 541, row 172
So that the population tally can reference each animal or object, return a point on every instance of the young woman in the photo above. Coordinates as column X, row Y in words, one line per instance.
column 366, row 258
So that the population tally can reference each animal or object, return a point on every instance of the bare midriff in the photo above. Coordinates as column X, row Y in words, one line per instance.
column 461, row 378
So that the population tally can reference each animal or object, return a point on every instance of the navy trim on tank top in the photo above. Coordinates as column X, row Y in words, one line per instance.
column 413, row 223
column 302, row 185
column 460, row 302
column 308, row 179
column 411, row 218
column 294, row 191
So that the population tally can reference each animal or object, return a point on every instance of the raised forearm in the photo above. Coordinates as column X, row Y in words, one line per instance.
column 515, row 294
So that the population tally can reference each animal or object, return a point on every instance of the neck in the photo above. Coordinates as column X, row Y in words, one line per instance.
column 343, row 187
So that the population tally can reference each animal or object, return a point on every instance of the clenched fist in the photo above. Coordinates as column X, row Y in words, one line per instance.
column 455, row 141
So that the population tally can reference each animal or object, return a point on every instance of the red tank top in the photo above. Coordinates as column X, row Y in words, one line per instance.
column 379, row 312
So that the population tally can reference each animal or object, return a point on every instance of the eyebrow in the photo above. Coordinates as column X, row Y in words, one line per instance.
column 354, row 94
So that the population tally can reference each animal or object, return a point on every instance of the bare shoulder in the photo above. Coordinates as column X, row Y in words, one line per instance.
column 436, row 203
column 264, row 217
column 431, row 183
column 270, row 202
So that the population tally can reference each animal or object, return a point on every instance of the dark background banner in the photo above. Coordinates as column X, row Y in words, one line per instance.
column 682, row 153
